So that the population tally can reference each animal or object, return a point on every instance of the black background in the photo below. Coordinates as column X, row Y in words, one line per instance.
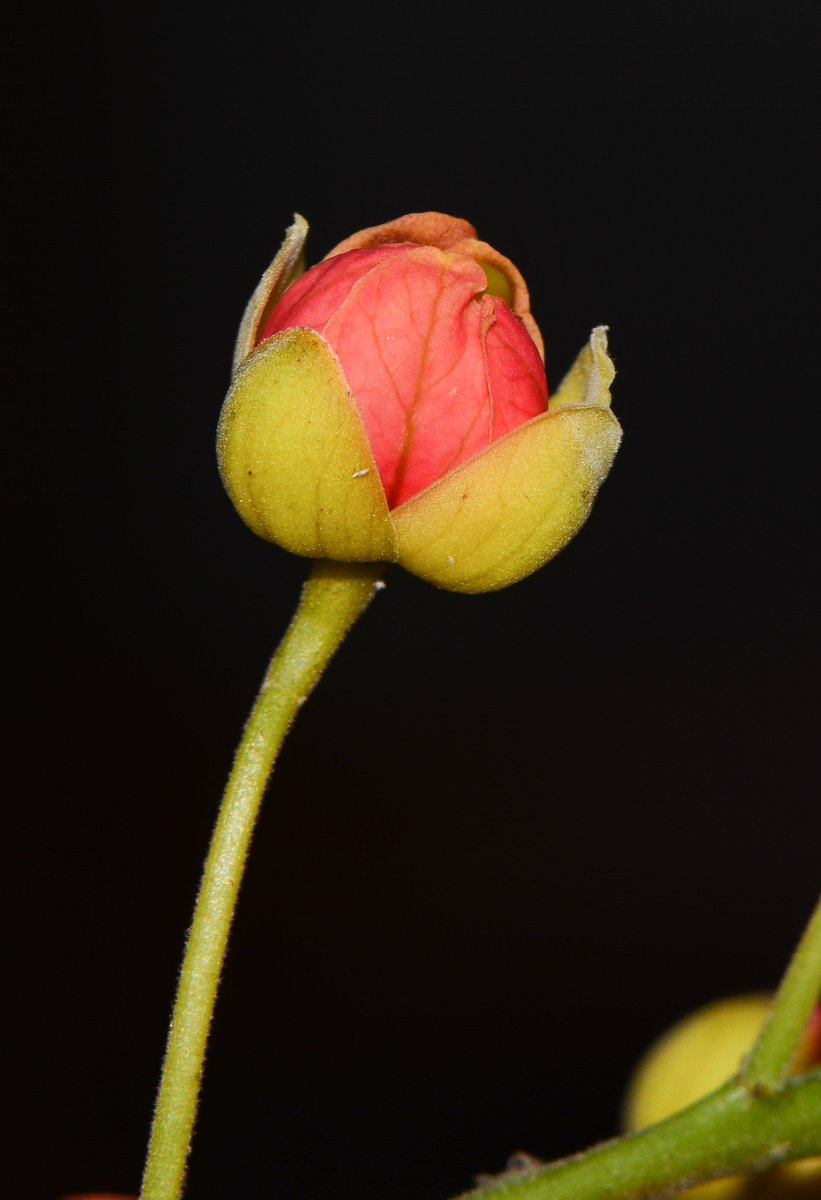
column 512, row 837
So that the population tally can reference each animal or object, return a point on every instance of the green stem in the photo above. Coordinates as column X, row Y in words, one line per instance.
column 332, row 599
column 772, row 1055
column 728, row 1132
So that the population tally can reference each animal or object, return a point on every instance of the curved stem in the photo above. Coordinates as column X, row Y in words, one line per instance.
column 771, row 1056
column 728, row 1132
column 332, row 599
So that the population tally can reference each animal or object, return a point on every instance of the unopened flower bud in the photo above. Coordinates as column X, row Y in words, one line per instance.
column 391, row 405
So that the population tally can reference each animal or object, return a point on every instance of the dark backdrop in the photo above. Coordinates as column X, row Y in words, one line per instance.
column 512, row 837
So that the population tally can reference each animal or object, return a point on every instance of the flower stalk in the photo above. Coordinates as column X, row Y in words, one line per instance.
column 332, row 599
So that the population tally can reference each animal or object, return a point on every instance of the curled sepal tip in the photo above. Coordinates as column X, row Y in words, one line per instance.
column 286, row 268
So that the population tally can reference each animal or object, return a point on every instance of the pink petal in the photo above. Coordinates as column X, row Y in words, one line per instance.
column 319, row 292
column 409, row 341
column 516, row 375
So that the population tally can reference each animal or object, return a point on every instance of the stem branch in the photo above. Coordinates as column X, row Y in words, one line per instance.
column 332, row 599
column 727, row 1133
column 772, row 1055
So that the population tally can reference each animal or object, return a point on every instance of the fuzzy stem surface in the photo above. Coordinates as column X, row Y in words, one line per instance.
column 333, row 597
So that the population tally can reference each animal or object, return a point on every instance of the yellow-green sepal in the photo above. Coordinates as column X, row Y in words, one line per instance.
column 294, row 456
column 511, row 508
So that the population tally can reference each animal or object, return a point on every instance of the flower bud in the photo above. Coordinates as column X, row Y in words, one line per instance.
column 390, row 405
column 699, row 1054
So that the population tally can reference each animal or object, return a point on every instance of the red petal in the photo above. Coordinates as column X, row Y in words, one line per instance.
column 319, row 292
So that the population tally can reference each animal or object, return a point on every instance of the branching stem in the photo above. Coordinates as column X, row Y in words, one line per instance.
column 755, row 1121
column 727, row 1133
